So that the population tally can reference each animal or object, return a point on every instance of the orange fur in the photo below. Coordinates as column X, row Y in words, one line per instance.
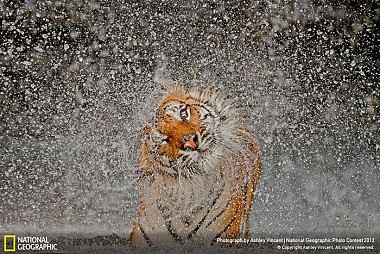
column 181, row 210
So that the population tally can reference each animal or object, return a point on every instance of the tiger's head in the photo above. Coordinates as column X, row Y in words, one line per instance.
column 193, row 130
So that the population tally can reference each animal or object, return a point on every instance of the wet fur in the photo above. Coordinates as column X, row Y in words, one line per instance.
column 192, row 197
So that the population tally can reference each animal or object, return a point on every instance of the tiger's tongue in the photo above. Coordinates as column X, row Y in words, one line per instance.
column 191, row 143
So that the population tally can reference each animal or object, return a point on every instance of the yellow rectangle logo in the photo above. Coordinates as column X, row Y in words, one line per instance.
column 13, row 238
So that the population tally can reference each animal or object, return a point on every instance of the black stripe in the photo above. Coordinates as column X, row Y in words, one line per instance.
column 219, row 214
column 183, row 156
column 156, row 157
column 212, row 142
column 169, row 103
column 148, row 241
column 225, row 228
column 164, row 166
column 209, row 138
column 205, row 135
column 168, row 224
column 193, row 169
column 205, row 116
column 206, row 102
column 208, row 110
column 166, row 107
column 204, row 217
column 172, row 232
column 174, row 175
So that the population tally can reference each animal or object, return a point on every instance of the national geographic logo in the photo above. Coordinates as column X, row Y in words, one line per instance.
column 27, row 243
column 9, row 243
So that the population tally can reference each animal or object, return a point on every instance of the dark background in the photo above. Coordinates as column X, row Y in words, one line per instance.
column 78, row 81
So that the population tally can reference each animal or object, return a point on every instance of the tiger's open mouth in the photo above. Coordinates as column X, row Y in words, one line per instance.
column 191, row 142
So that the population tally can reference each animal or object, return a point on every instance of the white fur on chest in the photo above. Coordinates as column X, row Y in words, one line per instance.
column 178, row 208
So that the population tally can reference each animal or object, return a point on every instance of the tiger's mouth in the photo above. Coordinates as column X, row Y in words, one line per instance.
column 191, row 142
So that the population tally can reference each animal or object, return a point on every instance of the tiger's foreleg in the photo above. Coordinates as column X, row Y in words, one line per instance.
column 138, row 236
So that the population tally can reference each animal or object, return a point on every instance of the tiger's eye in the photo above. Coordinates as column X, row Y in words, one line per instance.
column 183, row 114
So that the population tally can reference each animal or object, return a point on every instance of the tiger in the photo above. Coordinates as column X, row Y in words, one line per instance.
column 200, row 166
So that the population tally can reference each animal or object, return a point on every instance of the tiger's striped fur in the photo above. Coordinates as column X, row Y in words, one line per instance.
column 200, row 190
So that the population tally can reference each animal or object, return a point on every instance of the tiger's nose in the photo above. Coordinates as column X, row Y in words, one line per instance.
column 191, row 141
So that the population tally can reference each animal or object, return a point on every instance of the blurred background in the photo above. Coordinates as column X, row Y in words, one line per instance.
column 80, row 79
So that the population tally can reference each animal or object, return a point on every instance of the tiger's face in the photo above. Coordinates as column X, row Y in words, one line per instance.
column 189, row 133
column 181, row 129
